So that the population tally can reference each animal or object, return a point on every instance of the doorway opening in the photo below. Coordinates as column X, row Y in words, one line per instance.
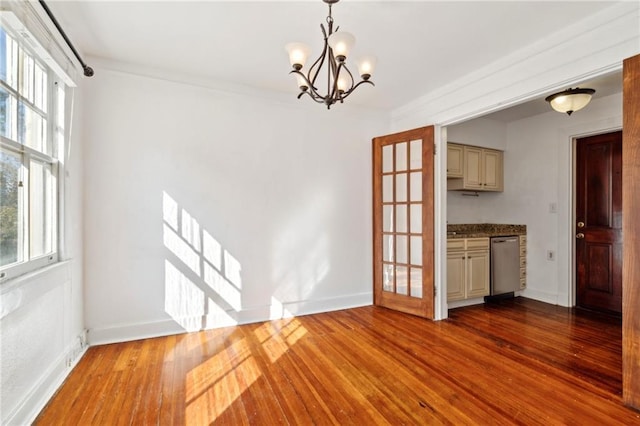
column 538, row 151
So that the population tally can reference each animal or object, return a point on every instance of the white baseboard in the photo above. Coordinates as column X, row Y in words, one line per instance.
column 551, row 298
column 42, row 391
column 564, row 300
column 328, row 305
column 169, row 326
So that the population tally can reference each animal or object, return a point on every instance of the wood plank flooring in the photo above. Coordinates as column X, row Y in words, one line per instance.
column 516, row 362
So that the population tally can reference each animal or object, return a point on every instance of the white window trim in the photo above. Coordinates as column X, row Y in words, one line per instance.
column 12, row 271
column 26, row 20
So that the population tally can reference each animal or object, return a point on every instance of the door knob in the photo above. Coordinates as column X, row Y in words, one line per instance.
column 580, row 224
column 580, row 235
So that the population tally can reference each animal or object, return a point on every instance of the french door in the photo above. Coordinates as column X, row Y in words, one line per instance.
column 403, row 242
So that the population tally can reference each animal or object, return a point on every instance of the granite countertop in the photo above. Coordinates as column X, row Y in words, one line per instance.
column 477, row 230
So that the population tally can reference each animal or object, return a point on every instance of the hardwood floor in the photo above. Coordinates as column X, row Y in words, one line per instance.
column 517, row 362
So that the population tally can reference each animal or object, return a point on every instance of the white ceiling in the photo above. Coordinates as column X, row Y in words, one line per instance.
column 420, row 45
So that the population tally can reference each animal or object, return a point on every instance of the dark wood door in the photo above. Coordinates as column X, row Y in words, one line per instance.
column 403, row 245
column 599, row 222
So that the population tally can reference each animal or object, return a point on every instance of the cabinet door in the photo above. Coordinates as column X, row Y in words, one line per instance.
column 477, row 273
column 455, row 275
column 472, row 168
column 455, row 155
column 492, row 170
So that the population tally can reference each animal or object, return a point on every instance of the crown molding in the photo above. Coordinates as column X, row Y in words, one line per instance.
column 225, row 88
column 591, row 47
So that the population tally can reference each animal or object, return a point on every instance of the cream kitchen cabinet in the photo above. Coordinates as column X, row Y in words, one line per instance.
column 467, row 268
column 455, row 160
column 482, row 170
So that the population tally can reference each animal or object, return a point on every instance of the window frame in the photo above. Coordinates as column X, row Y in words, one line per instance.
column 53, row 144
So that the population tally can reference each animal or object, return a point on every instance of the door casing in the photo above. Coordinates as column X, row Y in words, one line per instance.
column 570, row 236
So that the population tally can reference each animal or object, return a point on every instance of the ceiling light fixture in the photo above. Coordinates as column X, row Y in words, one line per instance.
column 570, row 100
column 340, row 81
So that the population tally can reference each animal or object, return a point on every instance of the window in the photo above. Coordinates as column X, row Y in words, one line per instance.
column 31, row 137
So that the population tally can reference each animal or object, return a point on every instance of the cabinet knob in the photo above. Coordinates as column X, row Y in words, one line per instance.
column 580, row 235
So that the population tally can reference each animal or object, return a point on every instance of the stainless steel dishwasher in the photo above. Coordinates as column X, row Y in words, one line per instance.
column 505, row 265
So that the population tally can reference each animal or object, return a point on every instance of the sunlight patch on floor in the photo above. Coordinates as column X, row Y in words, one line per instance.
column 276, row 342
column 216, row 384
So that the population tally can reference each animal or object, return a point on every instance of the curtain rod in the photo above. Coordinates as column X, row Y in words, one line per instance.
column 88, row 71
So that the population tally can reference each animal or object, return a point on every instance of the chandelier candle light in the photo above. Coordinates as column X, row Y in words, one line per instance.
column 340, row 81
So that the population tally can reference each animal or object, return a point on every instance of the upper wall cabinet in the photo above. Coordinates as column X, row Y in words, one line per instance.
column 455, row 163
column 482, row 168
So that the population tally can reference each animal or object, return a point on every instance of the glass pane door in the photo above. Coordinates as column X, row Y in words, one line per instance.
column 403, row 170
column 402, row 218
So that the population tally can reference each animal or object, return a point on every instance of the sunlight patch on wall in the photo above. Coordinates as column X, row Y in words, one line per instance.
column 190, row 230
column 187, row 255
column 211, row 250
column 184, row 301
column 277, row 310
column 203, row 281
column 224, row 288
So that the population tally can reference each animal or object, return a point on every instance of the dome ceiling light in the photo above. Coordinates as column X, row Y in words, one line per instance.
column 570, row 100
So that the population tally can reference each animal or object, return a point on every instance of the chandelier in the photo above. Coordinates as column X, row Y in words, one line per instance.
column 339, row 80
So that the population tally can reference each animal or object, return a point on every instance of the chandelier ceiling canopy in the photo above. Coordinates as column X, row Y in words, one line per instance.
column 340, row 82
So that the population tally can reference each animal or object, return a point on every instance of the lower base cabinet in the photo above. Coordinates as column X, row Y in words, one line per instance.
column 467, row 268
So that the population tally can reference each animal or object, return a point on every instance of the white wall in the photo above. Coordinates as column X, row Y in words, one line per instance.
column 540, row 169
column 41, row 315
column 487, row 134
column 479, row 132
column 206, row 208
